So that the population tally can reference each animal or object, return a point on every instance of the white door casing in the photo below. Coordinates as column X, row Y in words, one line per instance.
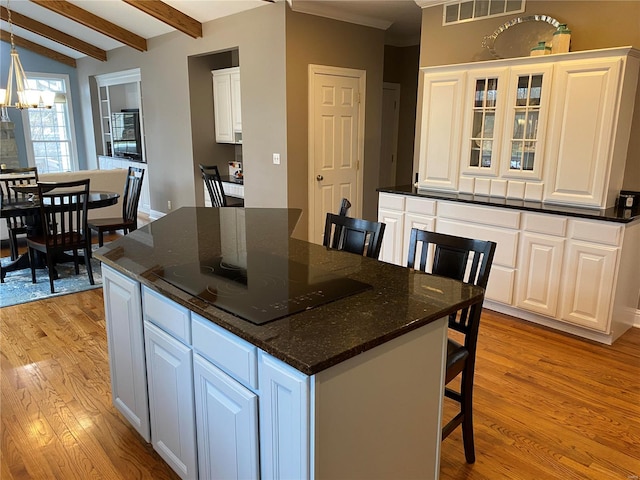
column 336, row 142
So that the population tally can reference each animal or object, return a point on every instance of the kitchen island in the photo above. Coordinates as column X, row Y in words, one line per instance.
column 336, row 382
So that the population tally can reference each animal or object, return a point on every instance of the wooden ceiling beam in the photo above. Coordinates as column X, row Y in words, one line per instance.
column 169, row 15
column 52, row 34
column 88, row 19
column 39, row 49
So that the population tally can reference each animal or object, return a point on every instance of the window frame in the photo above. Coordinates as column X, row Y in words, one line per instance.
column 29, row 142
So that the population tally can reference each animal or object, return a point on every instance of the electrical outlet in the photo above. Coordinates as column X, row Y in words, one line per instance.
column 276, row 159
column 168, row 204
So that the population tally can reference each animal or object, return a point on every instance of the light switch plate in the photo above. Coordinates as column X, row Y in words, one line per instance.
column 276, row 159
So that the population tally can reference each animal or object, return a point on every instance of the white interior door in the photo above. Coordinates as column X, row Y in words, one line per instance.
column 336, row 143
column 389, row 136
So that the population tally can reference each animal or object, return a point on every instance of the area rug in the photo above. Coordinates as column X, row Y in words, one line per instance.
column 17, row 287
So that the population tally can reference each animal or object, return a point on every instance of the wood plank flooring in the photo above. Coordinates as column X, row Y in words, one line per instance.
column 547, row 405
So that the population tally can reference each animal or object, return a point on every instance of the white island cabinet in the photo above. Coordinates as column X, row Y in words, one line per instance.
column 125, row 341
column 238, row 412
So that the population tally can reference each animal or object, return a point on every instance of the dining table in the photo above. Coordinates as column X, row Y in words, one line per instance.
column 27, row 205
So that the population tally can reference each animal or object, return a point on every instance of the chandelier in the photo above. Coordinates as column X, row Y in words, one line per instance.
column 22, row 97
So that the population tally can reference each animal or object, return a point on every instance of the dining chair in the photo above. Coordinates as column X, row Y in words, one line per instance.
column 128, row 222
column 353, row 235
column 11, row 177
column 345, row 205
column 63, row 214
column 211, row 177
column 469, row 261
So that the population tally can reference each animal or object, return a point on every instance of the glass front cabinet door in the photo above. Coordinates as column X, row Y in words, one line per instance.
column 505, row 114
column 526, row 118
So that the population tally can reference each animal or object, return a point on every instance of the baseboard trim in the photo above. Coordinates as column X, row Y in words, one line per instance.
column 636, row 322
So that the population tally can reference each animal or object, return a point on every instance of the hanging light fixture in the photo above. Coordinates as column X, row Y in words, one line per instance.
column 22, row 97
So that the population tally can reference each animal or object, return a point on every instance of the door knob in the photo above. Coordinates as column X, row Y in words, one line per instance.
column 319, row 178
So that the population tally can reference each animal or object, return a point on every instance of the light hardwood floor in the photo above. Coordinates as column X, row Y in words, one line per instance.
column 547, row 405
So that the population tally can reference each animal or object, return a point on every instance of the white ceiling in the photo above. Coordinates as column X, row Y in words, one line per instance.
column 400, row 18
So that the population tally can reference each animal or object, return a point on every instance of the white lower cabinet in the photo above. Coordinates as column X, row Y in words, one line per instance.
column 170, row 386
column 539, row 273
column 577, row 275
column 125, row 342
column 226, row 424
column 284, row 420
column 392, row 240
column 587, row 297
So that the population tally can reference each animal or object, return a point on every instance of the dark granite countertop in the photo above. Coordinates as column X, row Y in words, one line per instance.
column 613, row 214
column 399, row 301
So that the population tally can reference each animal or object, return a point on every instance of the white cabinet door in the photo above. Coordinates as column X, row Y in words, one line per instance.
column 284, row 420
column 411, row 221
column 483, row 121
column 226, row 424
column 170, row 384
column 392, row 240
column 589, row 279
column 581, row 130
column 539, row 272
column 222, row 108
column 236, row 111
column 125, row 341
column 439, row 136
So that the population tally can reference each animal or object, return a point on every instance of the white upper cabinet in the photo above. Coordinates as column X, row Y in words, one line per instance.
column 553, row 128
column 590, row 120
column 440, row 131
column 227, row 105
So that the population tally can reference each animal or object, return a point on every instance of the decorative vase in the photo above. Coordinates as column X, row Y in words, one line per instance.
column 561, row 39
column 540, row 49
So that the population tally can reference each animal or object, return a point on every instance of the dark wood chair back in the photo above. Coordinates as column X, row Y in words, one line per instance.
column 470, row 261
column 460, row 258
column 63, row 214
column 353, row 235
column 131, row 196
column 211, row 177
column 345, row 205
column 11, row 177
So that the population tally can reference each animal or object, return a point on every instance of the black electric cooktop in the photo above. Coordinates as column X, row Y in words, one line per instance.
column 261, row 287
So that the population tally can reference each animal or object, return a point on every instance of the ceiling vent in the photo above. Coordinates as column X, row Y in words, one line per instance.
column 469, row 10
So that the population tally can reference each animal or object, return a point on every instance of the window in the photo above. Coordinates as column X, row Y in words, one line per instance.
column 49, row 133
column 468, row 10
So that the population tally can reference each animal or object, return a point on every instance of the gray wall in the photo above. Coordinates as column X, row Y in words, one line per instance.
column 32, row 62
column 322, row 41
column 168, row 98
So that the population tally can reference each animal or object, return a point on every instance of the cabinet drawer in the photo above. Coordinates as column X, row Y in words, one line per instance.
column 549, row 224
column 169, row 316
column 498, row 217
column 235, row 356
column 597, row 232
column 392, row 202
column 421, row 206
column 506, row 240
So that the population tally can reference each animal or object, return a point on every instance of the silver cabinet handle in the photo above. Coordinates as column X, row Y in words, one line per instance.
column 319, row 178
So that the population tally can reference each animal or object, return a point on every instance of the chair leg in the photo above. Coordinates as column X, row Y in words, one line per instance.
column 50, row 269
column 87, row 262
column 467, row 418
column 13, row 245
column 100, row 238
column 32, row 263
